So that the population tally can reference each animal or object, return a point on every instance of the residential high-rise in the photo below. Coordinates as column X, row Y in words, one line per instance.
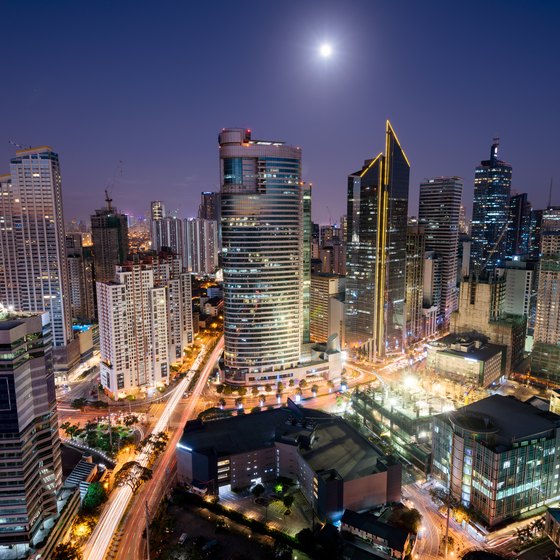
column 209, row 208
column 109, row 234
column 545, row 357
column 33, row 268
column 157, row 210
column 463, row 224
column 326, row 307
column 535, row 235
column 490, row 218
column 519, row 228
column 262, row 244
column 376, row 251
column 439, row 210
column 415, row 245
column 30, row 464
column 80, row 278
column 307, row 226
column 145, row 322
column 201, row 245
column 168, row 232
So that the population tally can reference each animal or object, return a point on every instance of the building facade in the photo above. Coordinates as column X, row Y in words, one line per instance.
column 519, row 228
column 262, row 253
column 209, row 208
column 167, row 232
column 438, row 212
column 490, row 219
column 327, row 307
column 109, row 235
column 30, row 463
column 33, row 268
column 376, row 252
column 201, row 244
column 80, row 278
column 415, row 239
column 498, row 456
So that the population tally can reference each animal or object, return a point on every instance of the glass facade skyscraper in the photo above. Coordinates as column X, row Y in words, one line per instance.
column 519, row 228
column 376, row 251
column 492, row 185
column 262, row 238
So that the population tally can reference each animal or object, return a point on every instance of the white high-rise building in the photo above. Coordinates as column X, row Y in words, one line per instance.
column 262, row 252
column 168, row 232
column 145, row 322
column 439, row 210
column 201, row 242
column 33, row 268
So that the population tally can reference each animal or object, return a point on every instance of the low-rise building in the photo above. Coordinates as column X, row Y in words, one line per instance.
column 552, row 527
column 335, row 466
column 466, row 359
column 499, row 456
column 390, row 541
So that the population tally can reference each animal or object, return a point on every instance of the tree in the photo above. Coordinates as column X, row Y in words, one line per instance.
column 219, row 389
column 306, row 538
column 258, row 490
column 94, row 497
column 268, row 388
column 78, row 403
column 238, row 401
column 227, row 390
column 255, row 391
column 408, row 519
column 288, row 501
column 71, row 430
column 298, row 391
column 242, row 391
column 291, row 383
column 303, row 384
column 315, row 389
column 130, row 420
column 279, row 386
column 222, row 402
column 133, row 474
column 66, row 551
column 262, row 399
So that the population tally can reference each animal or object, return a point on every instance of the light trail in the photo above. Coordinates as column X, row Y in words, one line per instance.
column 102, row 536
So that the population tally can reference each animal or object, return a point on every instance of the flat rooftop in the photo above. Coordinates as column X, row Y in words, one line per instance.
column 507, row 418
column 326, row 442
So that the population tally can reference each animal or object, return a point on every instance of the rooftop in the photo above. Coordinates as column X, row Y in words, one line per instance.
column 507, row 418
column 326, row 442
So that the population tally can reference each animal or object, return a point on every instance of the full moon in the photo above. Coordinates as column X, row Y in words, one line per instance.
column 325, row 50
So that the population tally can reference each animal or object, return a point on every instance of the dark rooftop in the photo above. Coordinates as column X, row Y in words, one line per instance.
column 326, row 442
column 509, row 419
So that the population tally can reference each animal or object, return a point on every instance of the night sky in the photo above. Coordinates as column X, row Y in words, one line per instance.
column 152, row 83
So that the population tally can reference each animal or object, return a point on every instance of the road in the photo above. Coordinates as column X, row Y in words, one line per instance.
column 102, row 536
column 132, row 545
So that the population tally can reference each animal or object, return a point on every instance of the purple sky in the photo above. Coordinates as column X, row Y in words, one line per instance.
column 152, row 83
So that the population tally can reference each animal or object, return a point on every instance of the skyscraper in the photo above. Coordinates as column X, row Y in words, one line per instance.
column 307, row 226
column 262, row 240
column 80, row 278
column 201, row 245
column 519, row 227
column 415, row 248
column 168, row 232
column 439, row 210
column 209, row 208
column 109, row 234
column 492, row 185
column 30, row 463
column 376, row 251
column 33, row 269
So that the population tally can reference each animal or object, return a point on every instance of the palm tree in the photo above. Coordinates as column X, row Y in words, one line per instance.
column 314, row 390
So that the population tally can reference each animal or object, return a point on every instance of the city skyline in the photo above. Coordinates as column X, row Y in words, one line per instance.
column 156, row 111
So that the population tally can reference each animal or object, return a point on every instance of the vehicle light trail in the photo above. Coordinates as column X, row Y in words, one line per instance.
column 100, row 540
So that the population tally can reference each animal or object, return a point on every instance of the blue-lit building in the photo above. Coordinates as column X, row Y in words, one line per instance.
column 490, row 219
column 376, row 251
column 519, row 228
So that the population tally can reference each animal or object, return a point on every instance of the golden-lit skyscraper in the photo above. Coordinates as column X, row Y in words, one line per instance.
column 376, row 251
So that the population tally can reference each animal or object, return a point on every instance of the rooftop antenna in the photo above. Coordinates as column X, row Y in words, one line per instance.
column 108, row 200
column 495, row 144
column 550, row 194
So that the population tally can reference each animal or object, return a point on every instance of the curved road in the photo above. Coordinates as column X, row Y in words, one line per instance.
column 102, row 536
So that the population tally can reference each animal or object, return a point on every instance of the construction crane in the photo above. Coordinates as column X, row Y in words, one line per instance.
column 111, row 184
column 19, row 146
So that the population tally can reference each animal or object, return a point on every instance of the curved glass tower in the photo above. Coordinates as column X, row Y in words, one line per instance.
column 262, row 245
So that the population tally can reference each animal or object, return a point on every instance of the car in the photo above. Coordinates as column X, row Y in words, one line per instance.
column 183, row 538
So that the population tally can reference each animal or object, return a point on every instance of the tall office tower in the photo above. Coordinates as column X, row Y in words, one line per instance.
column 262, row 240
column 145, row 321
column 168, row 232
column 492, row 185
column 519, row 227
column 376, row 251
column 30, row 464
column 545, row 358
column 439, row 209
column 463, row 224
column 535, row 237
column 80, row 278
column 307, row 227
column 521, row 288
column 109, row 234
column 327, row 307
column 209, row 208
column 415, row 247
column 432, row 281
column 201, row 245
column 33, row 269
